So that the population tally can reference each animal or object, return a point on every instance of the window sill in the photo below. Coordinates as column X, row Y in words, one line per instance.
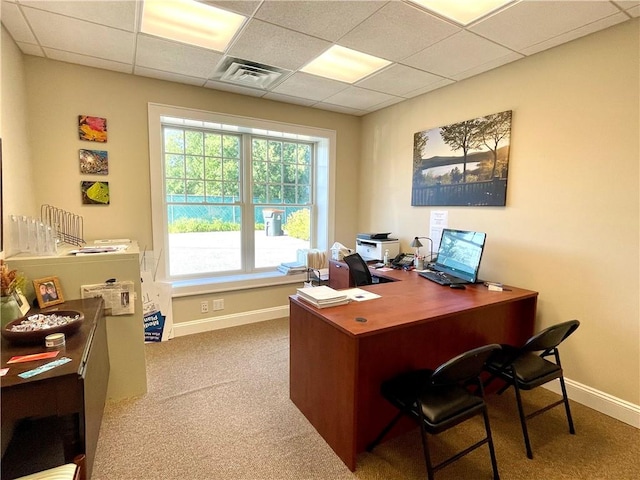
column 203, row 286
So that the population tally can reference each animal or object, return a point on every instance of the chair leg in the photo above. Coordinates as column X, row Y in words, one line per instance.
column 566, row 406
column 492, row 452
column 427, row 455
column 384, row 431
column 523, row 421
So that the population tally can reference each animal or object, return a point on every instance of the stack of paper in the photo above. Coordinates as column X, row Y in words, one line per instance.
column 290, row 268
column 322, row 297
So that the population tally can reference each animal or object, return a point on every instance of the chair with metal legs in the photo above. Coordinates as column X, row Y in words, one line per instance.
column 440, row 399
column 526, row 368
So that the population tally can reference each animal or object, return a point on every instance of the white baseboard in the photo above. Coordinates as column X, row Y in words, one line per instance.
column 226, row 321
column 602, row 402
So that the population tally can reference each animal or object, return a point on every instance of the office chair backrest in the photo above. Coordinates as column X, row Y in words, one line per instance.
column 464, row 367
column 358, row 269
column 551, row 337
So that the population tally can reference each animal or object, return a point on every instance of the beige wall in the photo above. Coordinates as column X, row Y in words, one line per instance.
column 570, row 227
column 17, row 176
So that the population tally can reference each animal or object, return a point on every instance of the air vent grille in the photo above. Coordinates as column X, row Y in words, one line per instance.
column 249, row 74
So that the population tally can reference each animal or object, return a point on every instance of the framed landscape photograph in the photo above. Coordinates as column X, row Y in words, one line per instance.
column 48, row 291
column 463, row 164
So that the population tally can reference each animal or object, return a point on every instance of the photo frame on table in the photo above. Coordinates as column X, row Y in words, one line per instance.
column 48, row 291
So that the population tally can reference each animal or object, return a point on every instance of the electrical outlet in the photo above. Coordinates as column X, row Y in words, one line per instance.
column 218, row 304
column 204, row 306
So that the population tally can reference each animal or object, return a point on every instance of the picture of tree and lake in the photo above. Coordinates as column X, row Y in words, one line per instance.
column 462, row 164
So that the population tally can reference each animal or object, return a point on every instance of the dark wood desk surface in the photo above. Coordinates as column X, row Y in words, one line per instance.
column 75, row 392
column 337, row 363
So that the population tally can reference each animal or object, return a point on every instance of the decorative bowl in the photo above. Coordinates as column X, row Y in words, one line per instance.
column 37, row 335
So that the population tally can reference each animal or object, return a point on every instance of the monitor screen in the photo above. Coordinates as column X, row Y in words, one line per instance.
column 460, row 253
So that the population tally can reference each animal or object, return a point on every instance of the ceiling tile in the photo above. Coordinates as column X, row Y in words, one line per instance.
column 485, row 67
column 528, row 23
column 634, row 12
column 81, row 37
column 327, row 20
column 429, row 88
column 359, row 98
column 577, row 33
column 398, row 80
column 397, row 31
column 30, row 49
column 310, row 86
column 340, row 109
column 243, row 7
column 88, row 61
column 227, row 87
column 117, row 14
column 160, row 54
column 170, row 77
column 16, row 24
column 284, row 48
column 386, row 103
column 289, row 99
column 473, row 51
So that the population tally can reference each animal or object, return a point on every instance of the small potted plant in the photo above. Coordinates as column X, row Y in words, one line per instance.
column 12, row 284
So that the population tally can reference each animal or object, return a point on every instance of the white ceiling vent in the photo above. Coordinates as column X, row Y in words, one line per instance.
column 249, row 74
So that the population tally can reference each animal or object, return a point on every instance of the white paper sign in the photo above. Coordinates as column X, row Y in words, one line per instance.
column 439, row 221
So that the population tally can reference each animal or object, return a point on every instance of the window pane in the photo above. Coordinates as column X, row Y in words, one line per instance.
column 205, row 239
column 275, row 151
column 174, row 166
column 231, row 146
column 259, row 149
column 195, row 142
column 173, row 140
column 280, row 232
column 213, row 169
column 195, row 167
column 213, row 144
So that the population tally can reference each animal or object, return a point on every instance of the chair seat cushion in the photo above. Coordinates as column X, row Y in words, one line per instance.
column 444, row 402
column 531, row 369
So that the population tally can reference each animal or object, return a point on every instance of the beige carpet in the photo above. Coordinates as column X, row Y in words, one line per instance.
column 218, row 408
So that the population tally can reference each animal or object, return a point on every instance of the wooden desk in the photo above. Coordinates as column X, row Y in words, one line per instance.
column 74, row 392
column 337, row 363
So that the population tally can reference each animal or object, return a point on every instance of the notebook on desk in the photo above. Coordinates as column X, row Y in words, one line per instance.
column 458, row 259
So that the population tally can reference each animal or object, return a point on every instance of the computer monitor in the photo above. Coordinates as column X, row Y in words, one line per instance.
column 460, row 253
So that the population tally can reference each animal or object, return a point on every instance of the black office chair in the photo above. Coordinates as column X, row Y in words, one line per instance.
column 440, row 400
column 358, row 269
column 525, row 369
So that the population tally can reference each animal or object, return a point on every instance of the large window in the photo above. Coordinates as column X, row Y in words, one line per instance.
column 232, row 198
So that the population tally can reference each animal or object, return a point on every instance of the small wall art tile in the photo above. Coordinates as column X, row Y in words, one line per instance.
column 92, row 129
column 95, row 193
column 94, row 162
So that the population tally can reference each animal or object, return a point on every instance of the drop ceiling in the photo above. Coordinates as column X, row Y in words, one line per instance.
column 426, row 51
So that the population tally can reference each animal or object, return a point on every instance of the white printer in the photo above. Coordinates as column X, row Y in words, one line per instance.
column 371, row 246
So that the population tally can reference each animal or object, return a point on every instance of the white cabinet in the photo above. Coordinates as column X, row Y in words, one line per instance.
column 125, row 333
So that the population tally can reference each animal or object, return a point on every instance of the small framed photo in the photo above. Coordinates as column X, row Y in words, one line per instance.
column 48, row 291
column 21, row 301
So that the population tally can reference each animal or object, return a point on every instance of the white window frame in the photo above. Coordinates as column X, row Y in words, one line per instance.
column 324, row 191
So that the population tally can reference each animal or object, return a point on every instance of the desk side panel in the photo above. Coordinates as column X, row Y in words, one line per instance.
column 323, row 379
column 96, row 381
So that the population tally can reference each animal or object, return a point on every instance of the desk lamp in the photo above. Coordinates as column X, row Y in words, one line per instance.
column 417, row 244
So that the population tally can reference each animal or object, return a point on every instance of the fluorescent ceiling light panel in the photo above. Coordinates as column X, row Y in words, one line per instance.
column 188, row 21
column 462, row 11
column 345, row 65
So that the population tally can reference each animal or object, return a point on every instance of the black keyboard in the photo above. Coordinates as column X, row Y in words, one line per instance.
column 441, row 278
